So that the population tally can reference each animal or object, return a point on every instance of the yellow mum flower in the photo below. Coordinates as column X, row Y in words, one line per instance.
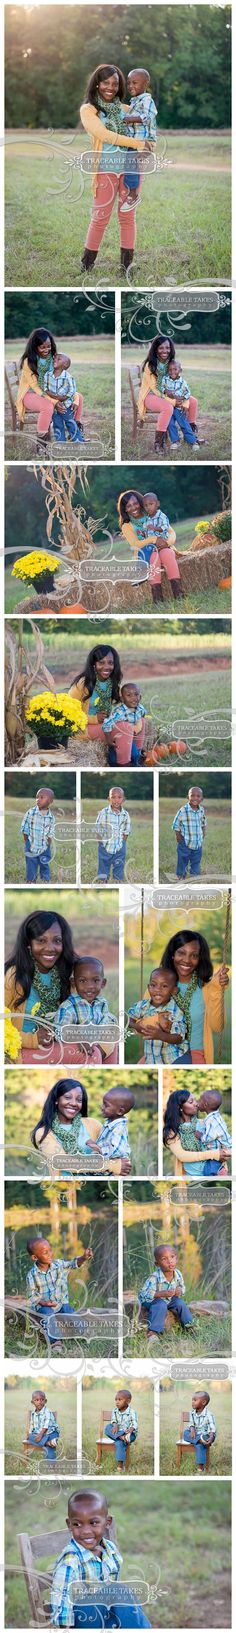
column 61, row 712
column 12, row 1039
column 36, row 563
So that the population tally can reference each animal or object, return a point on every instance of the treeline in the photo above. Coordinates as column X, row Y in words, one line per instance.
column 18, row 786
column 64, row 314
column 215, row 784
column 183, row 491
column 52, row 50
column 194, row 329
column 134, row 789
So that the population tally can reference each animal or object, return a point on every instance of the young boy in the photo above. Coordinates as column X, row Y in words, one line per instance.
column 61, row 385
column 113, row 826
column 38, row 828
column 202, row 1428
column 123, row 1427
column 47, row 1283
column 43, row 1430
column 141, row 119
column 91, row 1556
column 168, row 1024
column 165, row 1290
column 86, row 1008
column 190, row 827
column 213, row 1131
column 113, row 1141
column 129, row 709
column 175, row 386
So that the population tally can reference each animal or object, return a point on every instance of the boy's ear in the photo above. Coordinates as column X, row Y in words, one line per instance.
column 68, row 1523
column 104, row 982
column 109, row 1522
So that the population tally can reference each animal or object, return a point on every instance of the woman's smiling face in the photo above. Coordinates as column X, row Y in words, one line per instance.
column 47, row 949
column 163, row 351
column 44, row 349
column 186, row 960
column 108, row 88
column 105, row 666
column 68, row 1105
column 133, row 506
column 189, row 1108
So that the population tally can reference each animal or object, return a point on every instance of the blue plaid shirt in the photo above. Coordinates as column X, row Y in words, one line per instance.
column 154, row 1050
column 146, row 108
column 112, row 827
column 203, row 1422
column 191, row 824
column 39, row 1421
column 77, row 1564
column 113, row 1141
column 63, row 384
column 213, row 1130
column 176, row 388
column 157, row 1281
column 156, row 524
column 39, row 827
column 51, row 1283
column 121, row 712
column 76, row 1011
column 126, row 1421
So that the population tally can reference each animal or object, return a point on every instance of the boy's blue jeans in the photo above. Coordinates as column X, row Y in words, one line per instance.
column 123, row 1615
column 135, row 754
column 49, row 1320
column 119, row 1445
column 200, row 1449
column 41, row 862
column 157, row 1313
column 44, row 1444
column 65, row 422
column 132, row 178
column 106, row 862
column 188, row 858
column 212, row 1166
column 180, row 419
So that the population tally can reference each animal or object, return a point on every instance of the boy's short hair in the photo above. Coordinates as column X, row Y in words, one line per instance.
column 43, row 790
column 139, row 71
column 32, row 1242
column 123, row 1391
column 162, row 1247
column 88, row 960
column 82, row 1496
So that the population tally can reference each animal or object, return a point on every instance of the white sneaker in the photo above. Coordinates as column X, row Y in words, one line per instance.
column 124, row 209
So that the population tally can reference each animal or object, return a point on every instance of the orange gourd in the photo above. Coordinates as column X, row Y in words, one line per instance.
column 225, row 584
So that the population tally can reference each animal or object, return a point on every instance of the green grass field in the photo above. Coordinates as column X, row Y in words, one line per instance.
column 102, row 1395
column 139, row 849
column 190, row 1526
column 206, row 1338
column 216, row 858
column 183, row 220
column 207, row 370
column 178, row 1399
column 62, row 1399
column 93, row 364
column 63, row 864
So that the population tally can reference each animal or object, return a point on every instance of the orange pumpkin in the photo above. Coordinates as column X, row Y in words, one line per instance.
column 173, row 748
column 181, row 746
column 225, row 584
column 77, row 607
column 163, row 751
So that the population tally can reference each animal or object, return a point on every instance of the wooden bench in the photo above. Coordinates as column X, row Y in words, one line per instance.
column 187, row 1445
column 26, row 1445
column 103, row 1443
column 198, row 1307
column 12, row 380
column 46, row 1545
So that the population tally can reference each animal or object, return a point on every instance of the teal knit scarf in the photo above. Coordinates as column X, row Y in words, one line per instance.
column 113, row 111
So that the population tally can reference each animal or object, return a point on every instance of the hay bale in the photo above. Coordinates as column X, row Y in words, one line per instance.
column 204, row 567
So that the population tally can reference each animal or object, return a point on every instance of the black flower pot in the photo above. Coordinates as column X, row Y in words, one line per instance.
column 44, row 584
column 47, row 741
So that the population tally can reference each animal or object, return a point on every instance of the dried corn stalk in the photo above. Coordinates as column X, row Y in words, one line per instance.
column 21, row 673
column 76, row 536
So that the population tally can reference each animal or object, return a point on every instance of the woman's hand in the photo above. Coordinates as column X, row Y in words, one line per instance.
column 125, row 1165
column 223, row 975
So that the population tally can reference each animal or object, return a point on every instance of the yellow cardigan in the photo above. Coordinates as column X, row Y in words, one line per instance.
column 28, row 382
column 52, row 1149
column 148, row 383
column 212, row 995
column 100, row 135
column 79, row 690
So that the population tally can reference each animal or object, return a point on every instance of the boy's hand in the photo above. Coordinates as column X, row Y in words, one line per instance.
column 44, row 1034
column 178, row 835
column 101, row 716
column 88, row 1254
column 192, row 1433
column 125, row 1165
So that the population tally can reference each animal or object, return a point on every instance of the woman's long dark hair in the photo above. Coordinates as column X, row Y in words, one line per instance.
column 51, row 1103
column 152, row 356
column 89, row 673
column 22, row 960
column 30, row 354
column 204, row 967
column 103, row 71
column 132, row 493
column 172, row 1118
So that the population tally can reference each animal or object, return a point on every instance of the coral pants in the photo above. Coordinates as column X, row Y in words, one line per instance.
column 121, row 737
column 165, row 557
column 164, row 409
column 108, row 188
column 44, row 408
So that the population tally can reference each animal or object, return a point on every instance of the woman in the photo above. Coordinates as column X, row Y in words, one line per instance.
column 199, row 990
column 38, row 978
column 97, row 687
column 102, row 117
column 182, row 1108
column 31, row 397
column 132, row 513
column 64, row 1125
column 161, row 353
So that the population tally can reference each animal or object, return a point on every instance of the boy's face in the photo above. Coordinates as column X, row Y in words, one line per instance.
column 198, row 1402
column 174, row 369
column 42, row 1253
column 87, row 1520
column 89, row 980
column 116, row 797
column 161, row 985
column 38, row 1399
column 115, row 1104
column 195, row 796
column 122, row 1399
column 130, row 696
column 44, row 798
column 137, row 82
column 209, row 1101
column 166, row 1259
column 151, row 503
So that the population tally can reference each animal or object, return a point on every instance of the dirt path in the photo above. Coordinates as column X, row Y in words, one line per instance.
column 214, row 169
